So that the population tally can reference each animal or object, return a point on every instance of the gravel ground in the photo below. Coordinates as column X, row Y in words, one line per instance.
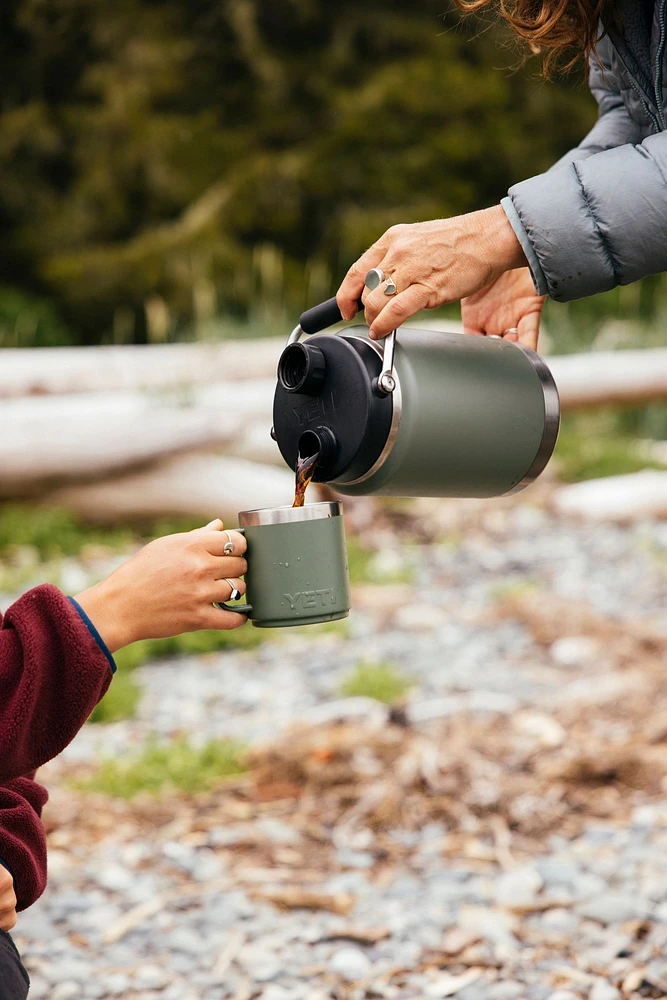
column 172, row 901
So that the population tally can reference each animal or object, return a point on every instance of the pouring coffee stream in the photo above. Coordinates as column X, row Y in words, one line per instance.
column 305, row 470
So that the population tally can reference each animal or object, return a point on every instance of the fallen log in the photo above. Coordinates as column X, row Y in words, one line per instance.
column 57, row 370
column 610, row 377
column 595, row 379
column 615, row 498
column 52, row 440
column 202, row 486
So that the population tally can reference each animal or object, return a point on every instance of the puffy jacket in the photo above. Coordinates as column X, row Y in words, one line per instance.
column 598, row 218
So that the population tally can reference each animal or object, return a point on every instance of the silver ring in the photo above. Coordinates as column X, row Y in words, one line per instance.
column 511, row 329
column 235, row 594
column 373, row 278
column 229, row 545
column 389, row 286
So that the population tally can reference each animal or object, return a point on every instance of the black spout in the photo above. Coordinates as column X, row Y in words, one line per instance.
column 322, row 443
column 301, row 369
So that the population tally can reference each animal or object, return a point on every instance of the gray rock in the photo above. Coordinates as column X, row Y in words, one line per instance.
column 612, row 907
column 602, row 989
column 116, row 985
column 151, row 977
column 505, row 990
column 67, row 990
column 350, row 963
column 278, row 832
column 518, row 887
column 559, row 919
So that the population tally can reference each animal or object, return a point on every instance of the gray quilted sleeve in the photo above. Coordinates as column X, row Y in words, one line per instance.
column 598, row 217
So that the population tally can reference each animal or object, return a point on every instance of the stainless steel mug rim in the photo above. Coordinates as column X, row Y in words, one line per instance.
column 290, row 515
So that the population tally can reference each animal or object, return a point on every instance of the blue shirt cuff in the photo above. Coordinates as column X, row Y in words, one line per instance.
column 534, row 266
column 95, row 634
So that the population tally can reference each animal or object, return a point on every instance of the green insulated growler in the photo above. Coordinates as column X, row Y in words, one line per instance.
column 420, row 414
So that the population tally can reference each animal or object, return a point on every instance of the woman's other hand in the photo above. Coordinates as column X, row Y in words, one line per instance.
column 508, row 303
column 432, row 264
column 169, row 587
column 7, row 900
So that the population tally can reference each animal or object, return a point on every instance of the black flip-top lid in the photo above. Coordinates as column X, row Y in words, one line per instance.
column 328, row 384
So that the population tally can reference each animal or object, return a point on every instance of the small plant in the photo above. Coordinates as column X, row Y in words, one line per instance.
column 187, row 644
column 163, row 767
column 381, row 681
column 120, row 701
column 53, row 532
column 597, row 449
column 367, row 566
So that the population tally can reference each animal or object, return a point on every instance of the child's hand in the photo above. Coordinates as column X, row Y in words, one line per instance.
column 7, row 900
column 169, row 587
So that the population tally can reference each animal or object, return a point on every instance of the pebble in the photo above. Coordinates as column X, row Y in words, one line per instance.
column 518, row 888
column 350, row 963
column 505, row 991
column 612, row 908
column 602, row 989
column 151, row 977
column 68, row 990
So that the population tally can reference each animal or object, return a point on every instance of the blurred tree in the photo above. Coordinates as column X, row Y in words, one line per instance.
column 162, row 159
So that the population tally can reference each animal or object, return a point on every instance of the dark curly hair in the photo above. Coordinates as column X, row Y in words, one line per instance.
column 563, row 31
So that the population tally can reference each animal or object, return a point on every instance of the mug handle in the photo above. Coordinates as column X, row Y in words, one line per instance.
column 239, row 609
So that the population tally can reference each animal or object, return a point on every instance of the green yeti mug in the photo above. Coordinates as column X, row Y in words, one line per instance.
column 297, row 566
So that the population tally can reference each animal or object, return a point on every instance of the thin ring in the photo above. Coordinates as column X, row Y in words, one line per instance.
column 229, row 545
column 373, row 278
column 512, row 329
column 390, row 286
column 234, row 596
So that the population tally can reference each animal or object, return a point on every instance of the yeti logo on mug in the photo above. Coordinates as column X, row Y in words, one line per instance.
column 311, row 598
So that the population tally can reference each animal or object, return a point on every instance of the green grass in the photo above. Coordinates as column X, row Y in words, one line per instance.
column 595, row 445
column 365, row 566
column 381, row 681
column 53, row 532
column 187, row 644
column 163, row 767
column 120, row 701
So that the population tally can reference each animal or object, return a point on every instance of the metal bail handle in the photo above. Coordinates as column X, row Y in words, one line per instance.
column 328, row 314
column 387, row 377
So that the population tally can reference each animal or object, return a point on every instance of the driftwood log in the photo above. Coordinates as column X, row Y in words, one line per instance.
column 615, row 498
column 205, row 486
column 57, row 370
column 610, row 377
column 603, row 377
column 50, row 440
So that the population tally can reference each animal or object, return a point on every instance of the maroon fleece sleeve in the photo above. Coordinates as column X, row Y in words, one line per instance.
column 22, row 837
column 52, row 674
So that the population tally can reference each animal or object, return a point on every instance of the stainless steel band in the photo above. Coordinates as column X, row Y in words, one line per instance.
column 551, row 420
column 290, row 515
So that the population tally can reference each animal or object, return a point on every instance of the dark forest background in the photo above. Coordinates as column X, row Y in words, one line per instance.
column 167, row 162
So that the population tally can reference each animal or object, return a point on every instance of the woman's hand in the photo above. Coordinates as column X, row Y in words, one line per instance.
column 7, row 900
column 431, row 263
column 169, row 587
column 508, row 303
